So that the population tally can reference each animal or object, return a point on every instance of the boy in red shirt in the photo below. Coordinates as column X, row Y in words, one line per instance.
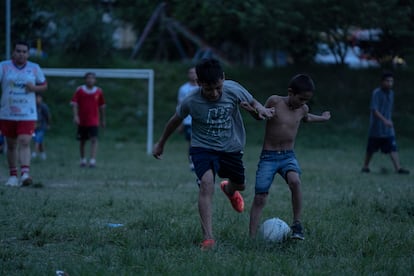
column 88, row 114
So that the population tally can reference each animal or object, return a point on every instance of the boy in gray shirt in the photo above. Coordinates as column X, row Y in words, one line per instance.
column 218, row 138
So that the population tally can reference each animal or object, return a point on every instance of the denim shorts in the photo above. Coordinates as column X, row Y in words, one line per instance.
column 272, row 162
column 39, row 135
column 224, row 164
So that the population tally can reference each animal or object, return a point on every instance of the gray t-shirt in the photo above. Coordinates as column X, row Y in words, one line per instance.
column 217, row 125
column 383, row 102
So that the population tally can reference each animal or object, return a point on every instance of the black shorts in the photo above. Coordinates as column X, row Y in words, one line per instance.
column 385, row 144
column 224, row 164
column 87, row 132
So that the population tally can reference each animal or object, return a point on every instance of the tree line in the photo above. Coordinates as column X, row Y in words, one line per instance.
column 240, row 31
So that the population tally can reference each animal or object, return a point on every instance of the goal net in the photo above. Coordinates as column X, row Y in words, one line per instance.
column 119, row 74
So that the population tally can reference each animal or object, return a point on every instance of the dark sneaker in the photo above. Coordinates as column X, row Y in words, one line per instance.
column 403, row 171
column 297, row 231
column 365, row 170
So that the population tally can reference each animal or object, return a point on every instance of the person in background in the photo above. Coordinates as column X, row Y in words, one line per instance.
column 183, row 91
column 43, row 124
column 20, row 80
column 381, row 132
column 218, row 138
column 88, row 114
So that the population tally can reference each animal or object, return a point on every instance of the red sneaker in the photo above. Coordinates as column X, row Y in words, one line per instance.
column 236, row 199
column 207, row 245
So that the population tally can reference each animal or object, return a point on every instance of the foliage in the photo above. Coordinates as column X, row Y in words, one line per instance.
column 243, row 31
column 395, row 19
column 86, row 36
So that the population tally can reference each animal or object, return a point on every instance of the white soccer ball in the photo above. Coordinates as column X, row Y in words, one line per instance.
column 274, row 230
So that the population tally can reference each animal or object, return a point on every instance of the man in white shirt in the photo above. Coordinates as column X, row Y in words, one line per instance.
column 20, row 81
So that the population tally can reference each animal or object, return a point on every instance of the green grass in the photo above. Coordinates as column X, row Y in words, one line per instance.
column 355, row 224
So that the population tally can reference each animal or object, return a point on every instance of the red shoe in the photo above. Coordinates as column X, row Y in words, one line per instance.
column 236, row 199
column 207, row 245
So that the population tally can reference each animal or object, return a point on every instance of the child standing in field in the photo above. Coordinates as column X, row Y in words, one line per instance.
column 218, row 138
column 278, row 149
column 183, row 91
column 88, row 114
column 42, row 125
column 381, row 128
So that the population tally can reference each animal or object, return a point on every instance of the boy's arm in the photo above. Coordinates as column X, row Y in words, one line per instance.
column 44, row 109
column 75, row 113
column 257, row 110
column 311, row 118
column 103, row 116
column 36, row 88
column 386, row 122
column 169, row 128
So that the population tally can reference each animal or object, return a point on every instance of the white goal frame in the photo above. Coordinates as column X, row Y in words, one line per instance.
column 119, row 74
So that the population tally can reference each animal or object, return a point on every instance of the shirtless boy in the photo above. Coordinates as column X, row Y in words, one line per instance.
column 277, row 153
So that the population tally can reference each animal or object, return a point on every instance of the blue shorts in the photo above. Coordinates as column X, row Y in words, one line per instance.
column 272, row 162
column 385, row 144
column 224, row 164
column 39, row 135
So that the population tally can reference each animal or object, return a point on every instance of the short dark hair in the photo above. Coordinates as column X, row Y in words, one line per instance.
column 87, row 74
column 21, row 42
column 386, row 74
column 301, row 83
column 209, row 71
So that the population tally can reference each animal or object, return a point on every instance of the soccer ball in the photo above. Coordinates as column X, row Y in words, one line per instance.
column 274, row 230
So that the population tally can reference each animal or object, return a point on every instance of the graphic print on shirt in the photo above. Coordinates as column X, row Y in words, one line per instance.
column 219, row 121
column 19, row 102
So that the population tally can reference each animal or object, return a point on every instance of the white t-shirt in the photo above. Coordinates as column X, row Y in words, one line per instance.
column 184, row 90
column 16, row 103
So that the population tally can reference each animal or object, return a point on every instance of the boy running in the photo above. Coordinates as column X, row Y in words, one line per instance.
column 218, row 138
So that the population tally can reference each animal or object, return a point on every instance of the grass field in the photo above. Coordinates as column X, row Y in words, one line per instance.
column 355, row 224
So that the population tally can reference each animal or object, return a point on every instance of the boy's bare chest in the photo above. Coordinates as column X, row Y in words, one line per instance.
column 286, row 116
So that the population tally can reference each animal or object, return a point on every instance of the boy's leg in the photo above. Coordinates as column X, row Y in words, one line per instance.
column 294, row 186
column 395, row 160
column 23, row 142
column 11, row 152
column 93, row 135
column 94, row 147
column 368, row 157
column 295, row 189
column 259, row 202
column 205, row 198
column 82, row 144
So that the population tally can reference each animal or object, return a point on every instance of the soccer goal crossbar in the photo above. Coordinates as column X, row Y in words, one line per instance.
column 119, row 74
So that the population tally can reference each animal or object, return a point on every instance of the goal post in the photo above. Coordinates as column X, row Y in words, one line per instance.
column 119, row 74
